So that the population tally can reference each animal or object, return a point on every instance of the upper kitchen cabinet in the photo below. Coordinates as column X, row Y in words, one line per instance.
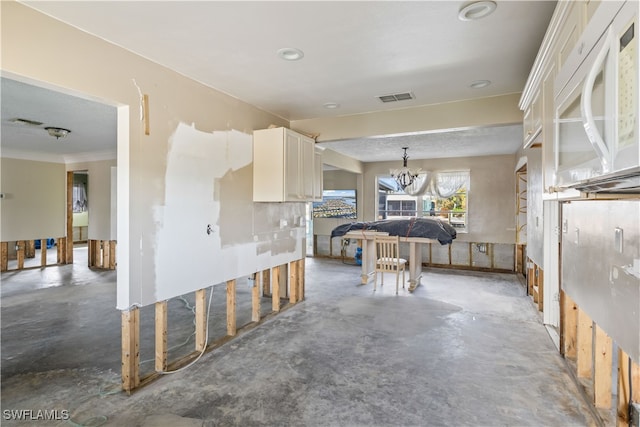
column 284, row 166
column 532, row 122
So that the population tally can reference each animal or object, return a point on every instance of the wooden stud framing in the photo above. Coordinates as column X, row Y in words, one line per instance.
column 43, row 252
column 130, row 349
column 231, row 308
column 4, row 256
column 61, row 250
column 105, row 254
column 145, row 109
column 626, row 388
column 201, row 319
column 255, row 299
column 20, row 249
column 584, row 357
column 293, row 282
column 602, row 378
column 112, row 255
column 540, row 285
column 69, row 237
column 275, row 289
column 266, row 282
column 301, row 277
column 30, row 249
column 161, row 336
column 569, row 324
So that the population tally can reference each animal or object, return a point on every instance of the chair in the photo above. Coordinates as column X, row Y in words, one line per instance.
column 388, row 259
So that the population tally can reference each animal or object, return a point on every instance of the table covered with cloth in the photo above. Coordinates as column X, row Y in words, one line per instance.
column 430, row 228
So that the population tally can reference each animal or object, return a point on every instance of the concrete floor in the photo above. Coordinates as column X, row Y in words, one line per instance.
column 465, row 349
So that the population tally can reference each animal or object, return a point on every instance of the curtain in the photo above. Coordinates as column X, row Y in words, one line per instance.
column 421, row 184
column 441, row 184
column 79, row 197
column 448, row 183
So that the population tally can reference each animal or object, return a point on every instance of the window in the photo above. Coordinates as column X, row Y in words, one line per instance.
column 439, row 194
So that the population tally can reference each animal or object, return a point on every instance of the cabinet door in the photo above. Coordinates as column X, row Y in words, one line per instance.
column 548, row 131
column 292, row 152
column 307, row 167
column 317, row 176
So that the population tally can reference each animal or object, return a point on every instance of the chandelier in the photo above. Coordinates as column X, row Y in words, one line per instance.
column 405, row 176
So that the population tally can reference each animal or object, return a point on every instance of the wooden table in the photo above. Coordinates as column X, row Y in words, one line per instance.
column 369, row 252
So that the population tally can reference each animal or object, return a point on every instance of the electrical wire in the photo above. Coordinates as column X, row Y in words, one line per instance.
column 206, row 340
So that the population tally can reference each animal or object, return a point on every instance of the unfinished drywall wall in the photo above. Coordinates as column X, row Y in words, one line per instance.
column 207, row 219
column 114, row 76
column 34, row 199
column 535, row 211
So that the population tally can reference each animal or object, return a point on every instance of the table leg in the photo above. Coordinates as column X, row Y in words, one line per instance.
column 415, row 265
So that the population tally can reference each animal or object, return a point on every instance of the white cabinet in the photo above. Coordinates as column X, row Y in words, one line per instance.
column 532, row 123
column 318, row 175
column 284, row 166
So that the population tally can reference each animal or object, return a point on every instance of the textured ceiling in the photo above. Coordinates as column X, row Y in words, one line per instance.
column 353, row 53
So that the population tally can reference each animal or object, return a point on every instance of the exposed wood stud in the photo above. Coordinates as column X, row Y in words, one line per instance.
column 130, row 349
column 201, row 319
column 584, row 359
column 20, row 253
column 231, row 308
column 43, row 253
column 275, row 288
column 105, row 254
column 301, row 281
column 112, row 255
column 255, row 299
column 69, row 237
column 470, row 254
column 624, row 390
column 30, row 249
column 61, row 249
column 161, row 336
column 293, row 282
column 266, row 283
column 569, row 327
column 145, row 107
column 4, row 256
column 602, row 378
column 540, row 283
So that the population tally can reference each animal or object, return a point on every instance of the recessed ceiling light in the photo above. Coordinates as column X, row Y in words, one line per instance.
column 476, row 10
column 331, row 105
column 479, row 84
column 290, row 54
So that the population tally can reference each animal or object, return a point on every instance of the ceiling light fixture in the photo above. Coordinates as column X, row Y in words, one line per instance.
column 479, row 84
column 405, row 176
column 476, row 10
column 290, row 54
column 331, row 105
column 57, row 133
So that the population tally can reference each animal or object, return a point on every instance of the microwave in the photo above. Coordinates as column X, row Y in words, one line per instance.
column 596, row 146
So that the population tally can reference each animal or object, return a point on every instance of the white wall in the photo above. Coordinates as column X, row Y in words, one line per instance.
column 34, row 203
column 114, row 76
column 491, row 197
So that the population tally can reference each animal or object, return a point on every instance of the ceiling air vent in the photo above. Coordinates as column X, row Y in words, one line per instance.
column 396, row 97
column 27, row 122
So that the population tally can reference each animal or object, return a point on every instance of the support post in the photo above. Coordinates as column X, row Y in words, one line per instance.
column 201, row 319
column 275, row 289
column 105, row 254
column 569, row 316
column 130, row 349
column 602, row 378
column 20, row 254
column 62, row 249
column 255, row 299
column 4, row 256
column 161, row 336
column 293, row 282
column 43, row 253
column 266, row 283
column 584, row 360
column 69, row 237
column 112, row 255
column 231, row 307
column 301, row 275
